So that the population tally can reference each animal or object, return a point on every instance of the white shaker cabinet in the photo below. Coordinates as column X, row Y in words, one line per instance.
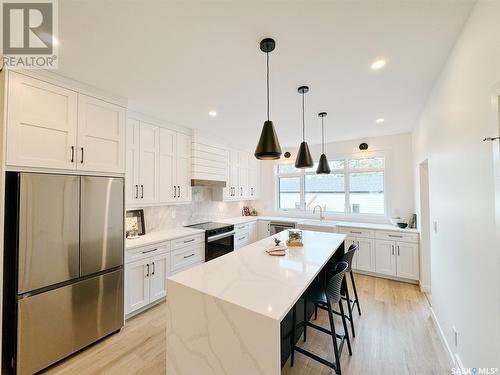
column 148, row 163
column 53, row 127
column 41, row 124
column 160, row 265
column 385, row 252
column 407, row 264
column 132, row 161
column 264, row 229
column 136, row 285
column 183, row 167
column 167, row 165
column 101, row 136
column 365, row 257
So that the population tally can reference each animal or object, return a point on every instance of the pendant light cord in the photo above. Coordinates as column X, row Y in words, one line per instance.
column 267, row 58
column 322, row 135
column 303, row 120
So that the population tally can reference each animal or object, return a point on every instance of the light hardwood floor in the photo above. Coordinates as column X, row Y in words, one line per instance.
column 395, row 335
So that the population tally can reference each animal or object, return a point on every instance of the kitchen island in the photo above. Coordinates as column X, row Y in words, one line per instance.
column 228, row 316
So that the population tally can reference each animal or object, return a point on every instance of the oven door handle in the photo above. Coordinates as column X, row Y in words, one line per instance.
column 219, row 236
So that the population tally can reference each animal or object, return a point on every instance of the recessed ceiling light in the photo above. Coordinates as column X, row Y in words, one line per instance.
column 379, row 64
column 379, row 120
column 212, row 113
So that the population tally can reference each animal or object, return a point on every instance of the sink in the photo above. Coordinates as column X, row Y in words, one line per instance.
column 317, row 225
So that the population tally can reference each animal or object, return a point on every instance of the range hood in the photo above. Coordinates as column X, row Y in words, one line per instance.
column 208, row 183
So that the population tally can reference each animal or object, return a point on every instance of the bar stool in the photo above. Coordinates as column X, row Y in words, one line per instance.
column 324, row 296
column 347, row 257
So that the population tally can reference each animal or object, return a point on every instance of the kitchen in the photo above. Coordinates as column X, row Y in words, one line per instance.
column 181, row 212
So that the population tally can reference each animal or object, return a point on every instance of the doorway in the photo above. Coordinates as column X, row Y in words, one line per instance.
column 425, row 242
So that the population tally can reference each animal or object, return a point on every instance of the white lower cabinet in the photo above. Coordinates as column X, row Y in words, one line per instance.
column 146, row 272
column 245, row 234
column 407, row 264
column 385, row 257
column 264, row 229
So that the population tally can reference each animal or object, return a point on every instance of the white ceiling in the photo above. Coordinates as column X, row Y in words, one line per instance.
column 179, row 60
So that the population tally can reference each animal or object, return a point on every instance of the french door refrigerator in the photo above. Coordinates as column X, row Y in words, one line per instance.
column 63, row 266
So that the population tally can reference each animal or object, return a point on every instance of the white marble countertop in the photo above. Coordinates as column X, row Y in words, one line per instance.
column 256, row 281
column 312, row 221
column 161, row 236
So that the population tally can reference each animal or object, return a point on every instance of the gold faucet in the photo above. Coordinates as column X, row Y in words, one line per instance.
column 321, row 217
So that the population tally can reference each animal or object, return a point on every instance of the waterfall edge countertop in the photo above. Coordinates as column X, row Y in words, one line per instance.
column 264, row 284
column 161, row 236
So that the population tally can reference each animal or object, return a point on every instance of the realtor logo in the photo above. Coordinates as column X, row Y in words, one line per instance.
column 29, row 39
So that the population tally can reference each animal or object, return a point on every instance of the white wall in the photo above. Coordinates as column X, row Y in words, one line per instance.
column 399, row 174
column 465, row 256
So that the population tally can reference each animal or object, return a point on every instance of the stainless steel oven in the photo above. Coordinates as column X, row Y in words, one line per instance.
column 280, row 227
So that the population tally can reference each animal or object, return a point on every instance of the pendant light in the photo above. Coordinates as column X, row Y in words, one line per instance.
column 268, row 147
column 323, row 167
column 304, row 159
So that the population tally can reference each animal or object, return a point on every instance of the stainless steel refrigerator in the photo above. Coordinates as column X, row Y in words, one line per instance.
column 63, row 266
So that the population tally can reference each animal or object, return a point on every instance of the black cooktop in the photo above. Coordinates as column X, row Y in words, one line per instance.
column 210, row 226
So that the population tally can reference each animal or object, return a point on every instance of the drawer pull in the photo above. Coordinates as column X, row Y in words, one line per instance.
column 188, row 256
column 393, row 235
column 147, row 273
column 241, row 238
column 191, row 240
column 149, row 251
column 356, row 232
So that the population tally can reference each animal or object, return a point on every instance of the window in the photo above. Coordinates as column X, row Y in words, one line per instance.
column 354, row 186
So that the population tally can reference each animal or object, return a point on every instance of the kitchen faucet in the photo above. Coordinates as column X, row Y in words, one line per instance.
column 321, row 217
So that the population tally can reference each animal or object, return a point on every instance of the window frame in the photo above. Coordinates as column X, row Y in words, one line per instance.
column 347, row 172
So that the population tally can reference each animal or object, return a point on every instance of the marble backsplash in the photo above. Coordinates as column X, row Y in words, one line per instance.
column 202, row 208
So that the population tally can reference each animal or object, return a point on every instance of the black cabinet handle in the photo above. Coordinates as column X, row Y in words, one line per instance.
column 175, row 191
column 392, row 249
column 142, row 191
column 136, row 191
column 241, row 190
column 72, row 154
column 394, row 236
column 153, row 269
column 147, row 273
column 188, row 256
column 398, row 250
column 81, row 148
column 179, row 191
column 191, row 240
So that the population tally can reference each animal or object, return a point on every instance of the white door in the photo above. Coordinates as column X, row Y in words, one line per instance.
column 160, row 268
column 183, row 167
column 136, row 285
column 407, row 260
column 167, row 166
column 101, row 136
column 365, row 258
column 149, row 163
column 385, row 257
column 41, row 124
column 132, row 162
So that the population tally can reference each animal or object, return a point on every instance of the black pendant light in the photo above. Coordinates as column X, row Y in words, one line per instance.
column 268, row 147
column 323, row 167
column 304, row 159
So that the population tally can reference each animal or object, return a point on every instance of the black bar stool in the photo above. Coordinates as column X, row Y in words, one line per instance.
column 347, row 257
column 325, row 296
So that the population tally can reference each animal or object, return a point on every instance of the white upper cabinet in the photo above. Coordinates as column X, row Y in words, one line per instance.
column 41, row 124
column 183, row 168
column 52, row 127
column 167, row 165
column 243, row 177
column 158, row 169
column 101, row 135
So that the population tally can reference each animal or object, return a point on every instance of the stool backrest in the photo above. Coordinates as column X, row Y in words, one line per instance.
column 349, row 255
column 334, row 285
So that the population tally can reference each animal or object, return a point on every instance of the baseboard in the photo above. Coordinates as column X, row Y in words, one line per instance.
column 451, row 357
column 382, row 276
column 141, row 310
column 425, row 288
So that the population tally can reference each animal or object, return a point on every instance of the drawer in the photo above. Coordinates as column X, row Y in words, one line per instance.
column 241, row 239
column 397, row 236
column 186, row 256
column 146, row 252
column 242, row 228
column 188, row 241
column 357, row 232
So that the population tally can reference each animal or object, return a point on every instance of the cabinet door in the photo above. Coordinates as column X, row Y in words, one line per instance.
column 167, row 166
column 264, row 229
column 183, row 167
column 243, row 188
column 41, row 124
column 160, row 268
column 149, row 163
column 253, row 231
column 385, row 257
column 365, row 258
column 101, row 136
column 407, row 260
column 136, row 285
column 254, row 181
column 132, row 162
column 234, row 174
